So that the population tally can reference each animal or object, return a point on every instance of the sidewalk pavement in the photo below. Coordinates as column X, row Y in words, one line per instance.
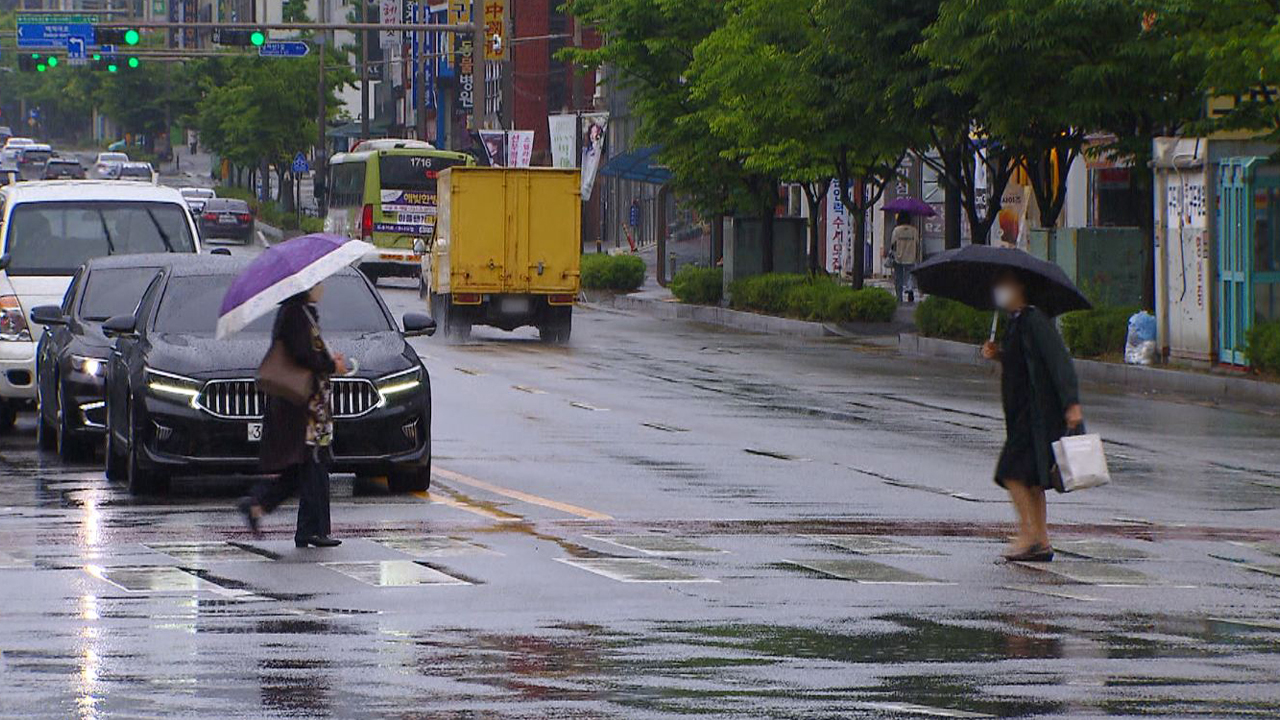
column 900, row 336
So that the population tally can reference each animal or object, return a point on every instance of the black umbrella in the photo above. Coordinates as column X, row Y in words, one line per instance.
column 966, row 274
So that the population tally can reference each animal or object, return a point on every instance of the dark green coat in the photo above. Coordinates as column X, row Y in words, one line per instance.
column 1037, row 395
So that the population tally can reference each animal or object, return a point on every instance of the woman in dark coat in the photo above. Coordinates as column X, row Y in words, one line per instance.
column 1041, row 404
column 296, row 439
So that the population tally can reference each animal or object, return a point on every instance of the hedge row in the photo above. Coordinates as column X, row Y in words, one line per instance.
column 623, row 273
column 698, row 285
column 939, row 317
column 1098, row 332
column 816, row 297
column 1262, row 347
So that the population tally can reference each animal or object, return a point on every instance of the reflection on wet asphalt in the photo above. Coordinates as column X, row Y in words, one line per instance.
column 665, row 520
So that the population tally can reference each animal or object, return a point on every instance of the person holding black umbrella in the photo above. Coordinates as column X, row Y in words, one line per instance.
column 1038, row 387
column 1041, row 399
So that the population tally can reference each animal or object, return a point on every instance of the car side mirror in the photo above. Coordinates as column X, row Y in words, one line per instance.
column 419, row 246
column 416, row 324
column 4, row 261
column 120, row 325
column 48, row 315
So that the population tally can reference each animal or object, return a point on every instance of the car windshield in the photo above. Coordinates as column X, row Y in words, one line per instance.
column 114, row 291
column 55, row 238
column 190, row 307
column 412, row 172
column 36, row 155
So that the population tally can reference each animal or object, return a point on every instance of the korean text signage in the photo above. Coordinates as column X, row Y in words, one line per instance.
column 460, row 12
column 495, row 20
column 839, row 233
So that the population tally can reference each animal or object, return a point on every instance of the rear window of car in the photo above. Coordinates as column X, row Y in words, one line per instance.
column 412, row 172
column 36, row 155
column 190, row 307
column 63, row 166
column 55, row 238
column 135, row 171
column 114, row 291
column 113, row 157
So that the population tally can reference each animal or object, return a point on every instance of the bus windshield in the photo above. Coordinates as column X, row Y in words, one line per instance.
column 413, row 172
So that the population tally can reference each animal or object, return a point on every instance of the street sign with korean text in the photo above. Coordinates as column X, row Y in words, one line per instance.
column 55, row 34
column 283, row 48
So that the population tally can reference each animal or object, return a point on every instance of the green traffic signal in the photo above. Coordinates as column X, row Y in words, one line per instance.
column 257, row 38
column 131, row 37
column 53, row 61
column 97, row 56
column 133, row 62
column 35, row 56
column 40, row 67
column 111, row 67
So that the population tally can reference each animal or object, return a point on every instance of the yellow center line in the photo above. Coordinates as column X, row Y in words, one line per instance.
column 482, row 511
column 521, row 496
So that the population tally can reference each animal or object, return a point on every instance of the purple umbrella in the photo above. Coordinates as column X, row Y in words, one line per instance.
column 910, row 205
column 282, row 271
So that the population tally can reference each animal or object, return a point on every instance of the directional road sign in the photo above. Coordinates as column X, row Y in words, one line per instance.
column 300, row 164
column 75, row 48
column 283, row 48
column 45, row 35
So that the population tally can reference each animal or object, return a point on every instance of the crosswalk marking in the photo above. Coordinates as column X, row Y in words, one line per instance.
column 657, row 544
column 634, row 570
column 866, row 572
column 394, row 573
column 870, row 545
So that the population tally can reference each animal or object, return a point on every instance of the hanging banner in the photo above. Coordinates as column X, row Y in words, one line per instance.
column 593, row 137
column 1011, row 222
column 839, row 233
column 495, row 23
column 459, row 13
column 519, row 148
column 495, row 146
column 391, row 15
column 564, row 140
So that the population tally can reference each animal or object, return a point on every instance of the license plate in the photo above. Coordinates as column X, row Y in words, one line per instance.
column 514, row 305
column 255, row 432
column 227, row 220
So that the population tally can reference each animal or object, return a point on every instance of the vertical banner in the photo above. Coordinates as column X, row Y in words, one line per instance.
column 495, row 23
column 495, row 146
column 593, row 137
column 1011, row 221
column 564, row 140
column 519, row 148
column 391, row 15
column 839, row 233
column 460, row 12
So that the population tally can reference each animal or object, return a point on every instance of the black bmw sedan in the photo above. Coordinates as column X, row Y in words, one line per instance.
column 72, row 353
column 180, row 402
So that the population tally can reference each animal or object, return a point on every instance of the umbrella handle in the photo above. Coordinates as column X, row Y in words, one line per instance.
column 995, row 321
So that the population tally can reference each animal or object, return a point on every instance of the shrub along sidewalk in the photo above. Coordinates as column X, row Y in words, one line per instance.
column 804, row 297
column 621, row 273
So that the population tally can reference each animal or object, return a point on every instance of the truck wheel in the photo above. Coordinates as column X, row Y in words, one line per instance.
column 557, row 326
column 8, row 416
column 455, row 324
column 412, row 478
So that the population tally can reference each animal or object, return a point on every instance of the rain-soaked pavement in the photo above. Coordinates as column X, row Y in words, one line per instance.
column 665, row 519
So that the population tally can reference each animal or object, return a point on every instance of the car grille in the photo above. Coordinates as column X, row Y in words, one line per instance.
column 242, row 400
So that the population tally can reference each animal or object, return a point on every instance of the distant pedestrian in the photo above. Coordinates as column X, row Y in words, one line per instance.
column 1041, row 401
column 905, row 253
column 296, row 439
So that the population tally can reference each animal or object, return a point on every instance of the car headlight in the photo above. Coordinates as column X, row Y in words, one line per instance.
column 13, row 323
column 86, row 365
column 172, row 386
column 399, row 383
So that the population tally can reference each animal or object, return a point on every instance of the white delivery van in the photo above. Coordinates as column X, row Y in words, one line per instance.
column 50, row 228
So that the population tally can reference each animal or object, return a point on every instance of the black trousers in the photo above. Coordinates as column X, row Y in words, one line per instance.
column 309, row 480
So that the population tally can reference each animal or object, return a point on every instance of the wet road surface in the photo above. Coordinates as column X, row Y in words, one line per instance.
column 665, row 519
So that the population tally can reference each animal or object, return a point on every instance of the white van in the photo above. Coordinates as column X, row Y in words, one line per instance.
column 49, row 229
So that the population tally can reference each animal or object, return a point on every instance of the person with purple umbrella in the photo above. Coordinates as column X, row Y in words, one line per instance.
column 905, row 252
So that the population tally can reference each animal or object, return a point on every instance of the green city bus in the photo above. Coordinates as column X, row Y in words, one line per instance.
column 384, row 192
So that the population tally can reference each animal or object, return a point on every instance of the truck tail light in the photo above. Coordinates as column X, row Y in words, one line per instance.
column 560, row 299
column 366, row 222
column 466, row 298
column 13, row 324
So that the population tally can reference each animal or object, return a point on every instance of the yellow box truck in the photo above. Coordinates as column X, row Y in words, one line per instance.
column 506, row 250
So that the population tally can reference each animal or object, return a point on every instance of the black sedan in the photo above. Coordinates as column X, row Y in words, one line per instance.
column 71, row 357
column 226, row 218
column 180, row 402
column 63, row 169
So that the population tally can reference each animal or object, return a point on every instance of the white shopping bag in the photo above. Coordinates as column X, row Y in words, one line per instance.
column 1081, row 462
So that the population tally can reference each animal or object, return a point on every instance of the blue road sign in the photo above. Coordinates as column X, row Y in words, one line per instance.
column 45, row 35
column 283, row 48
column 75, row 48
column 300, row 164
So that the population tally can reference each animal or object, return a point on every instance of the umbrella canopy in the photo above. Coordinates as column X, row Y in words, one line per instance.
column 282, row 271
column 909, row 205
column 966, row 274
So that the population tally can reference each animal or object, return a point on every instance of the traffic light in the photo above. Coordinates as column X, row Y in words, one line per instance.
column 239, row 38
column 133, row 62
column 52, row 61
column 116, row 36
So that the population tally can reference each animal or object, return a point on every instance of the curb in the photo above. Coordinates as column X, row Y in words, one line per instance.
column 1134, row 378
column 712, row 315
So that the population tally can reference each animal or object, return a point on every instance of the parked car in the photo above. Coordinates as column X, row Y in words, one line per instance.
column 32, row 159
column 17, row 142
column 227, row 218
column 72, row 354
column 135, row 172
column 197, row 197
column 49, row 230
column 180, row 402
column 63, row 169
column 106, row 162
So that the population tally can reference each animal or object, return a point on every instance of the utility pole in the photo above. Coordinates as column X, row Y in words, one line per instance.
column 477, row 65
column 364, row 72
column 322, row 95
column 420, row 79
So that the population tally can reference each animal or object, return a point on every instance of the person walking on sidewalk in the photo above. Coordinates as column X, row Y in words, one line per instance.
column 296, row 439
column 1041, row 399
column 905, row 253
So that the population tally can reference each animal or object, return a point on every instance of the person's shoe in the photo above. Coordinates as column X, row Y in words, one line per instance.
column 246, row 508
column 1034, row 553
column 320, row 541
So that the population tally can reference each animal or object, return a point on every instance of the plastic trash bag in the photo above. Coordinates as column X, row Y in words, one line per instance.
column 1140, row 344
